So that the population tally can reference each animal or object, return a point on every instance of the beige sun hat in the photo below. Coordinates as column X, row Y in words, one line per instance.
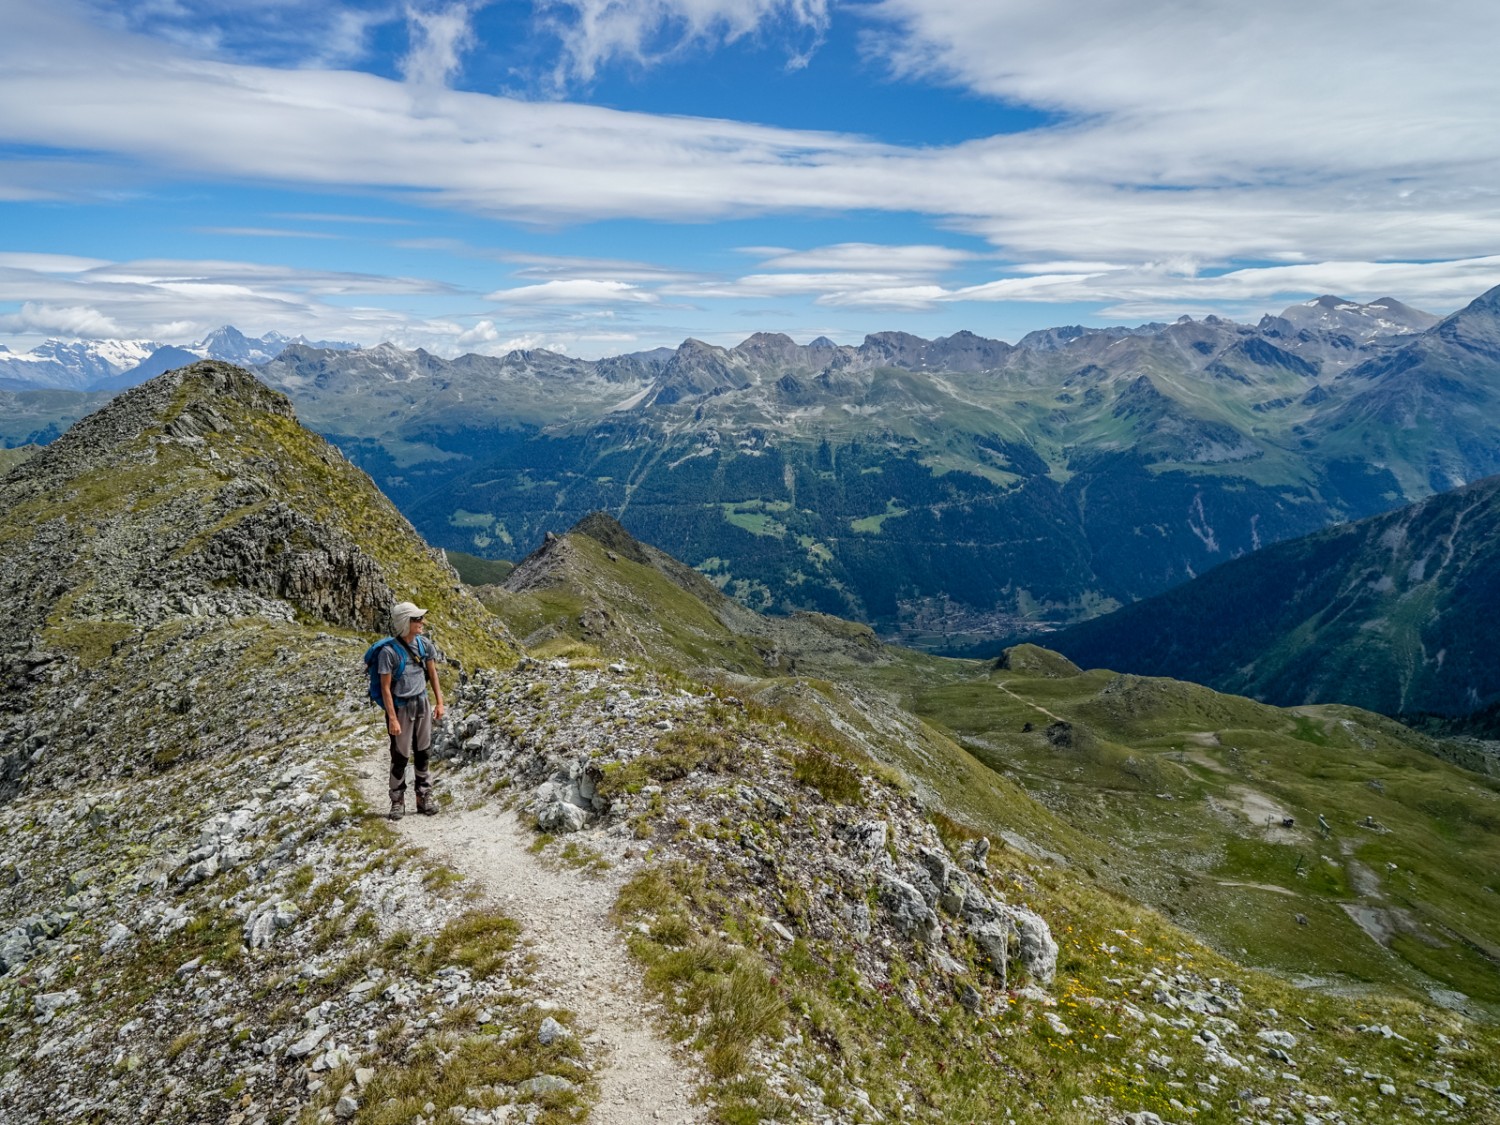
column 401, row 615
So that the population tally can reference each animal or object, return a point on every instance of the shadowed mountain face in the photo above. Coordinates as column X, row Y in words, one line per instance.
column 947, row 492
column 1391, row 613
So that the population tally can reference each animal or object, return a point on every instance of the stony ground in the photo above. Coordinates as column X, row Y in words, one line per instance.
column 579, row 954
column 615, row 776
column 246, row 939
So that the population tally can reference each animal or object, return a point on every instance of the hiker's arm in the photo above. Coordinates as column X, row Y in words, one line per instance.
column 392, row 724
column 437, row 689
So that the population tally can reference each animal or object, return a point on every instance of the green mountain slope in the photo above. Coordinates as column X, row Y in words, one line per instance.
column 1161, row 790
column 1388, row 613
column 1323, row 842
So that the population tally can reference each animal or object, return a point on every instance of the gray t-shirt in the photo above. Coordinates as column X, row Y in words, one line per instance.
column 413, row 679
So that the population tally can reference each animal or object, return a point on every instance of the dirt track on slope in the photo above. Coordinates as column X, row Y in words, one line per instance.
column 582, row 963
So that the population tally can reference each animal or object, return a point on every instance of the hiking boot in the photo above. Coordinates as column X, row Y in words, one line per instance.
column 427, row 806
column 398, row 808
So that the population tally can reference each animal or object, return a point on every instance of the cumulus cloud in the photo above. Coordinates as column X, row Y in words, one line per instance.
column 77, row 321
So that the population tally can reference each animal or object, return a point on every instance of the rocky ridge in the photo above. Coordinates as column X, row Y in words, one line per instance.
column 198, row 918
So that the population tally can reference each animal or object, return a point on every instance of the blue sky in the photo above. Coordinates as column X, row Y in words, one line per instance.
column 600, row 176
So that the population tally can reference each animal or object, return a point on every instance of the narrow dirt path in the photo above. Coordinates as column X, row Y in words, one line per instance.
column 1033, row 706
column 581, row 960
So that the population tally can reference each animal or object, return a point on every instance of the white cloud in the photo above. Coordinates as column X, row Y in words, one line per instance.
column 77, row 321
column 562, row 267
column 1355, row 174
column 1147, row 292
column 486, row 338
column 274, row 32
column 864, row 256
column 576, row 292
column 1226, row 131
column 1189, row 138
column 49, row 263
column 67, row 85
column 597, row 32
column 788, row 284
column 556, row 267
column 178, row 301
column 847, row 275
column 439, row 38
column 911, row 297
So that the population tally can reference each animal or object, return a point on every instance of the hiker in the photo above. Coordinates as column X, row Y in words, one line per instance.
column 404, row 678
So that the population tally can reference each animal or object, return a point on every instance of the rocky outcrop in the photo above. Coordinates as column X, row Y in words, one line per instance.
column 280, row 553
column 632, row 745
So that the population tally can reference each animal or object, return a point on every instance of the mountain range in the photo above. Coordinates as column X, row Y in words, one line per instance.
column 947, row 492
column 113, row 365
column 1388, row 613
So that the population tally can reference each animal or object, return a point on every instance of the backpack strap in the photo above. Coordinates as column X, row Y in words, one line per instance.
column 421, row 655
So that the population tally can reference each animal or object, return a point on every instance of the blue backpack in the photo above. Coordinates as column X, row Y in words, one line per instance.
column 372, row 655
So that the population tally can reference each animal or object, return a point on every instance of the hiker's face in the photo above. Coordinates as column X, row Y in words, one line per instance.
column 414, row 629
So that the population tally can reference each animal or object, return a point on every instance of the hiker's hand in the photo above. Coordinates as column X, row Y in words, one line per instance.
column 393, row 726
column 439, row 711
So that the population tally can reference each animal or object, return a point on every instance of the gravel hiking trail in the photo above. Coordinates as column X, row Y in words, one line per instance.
column 581, row 960
column 1033, row 706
